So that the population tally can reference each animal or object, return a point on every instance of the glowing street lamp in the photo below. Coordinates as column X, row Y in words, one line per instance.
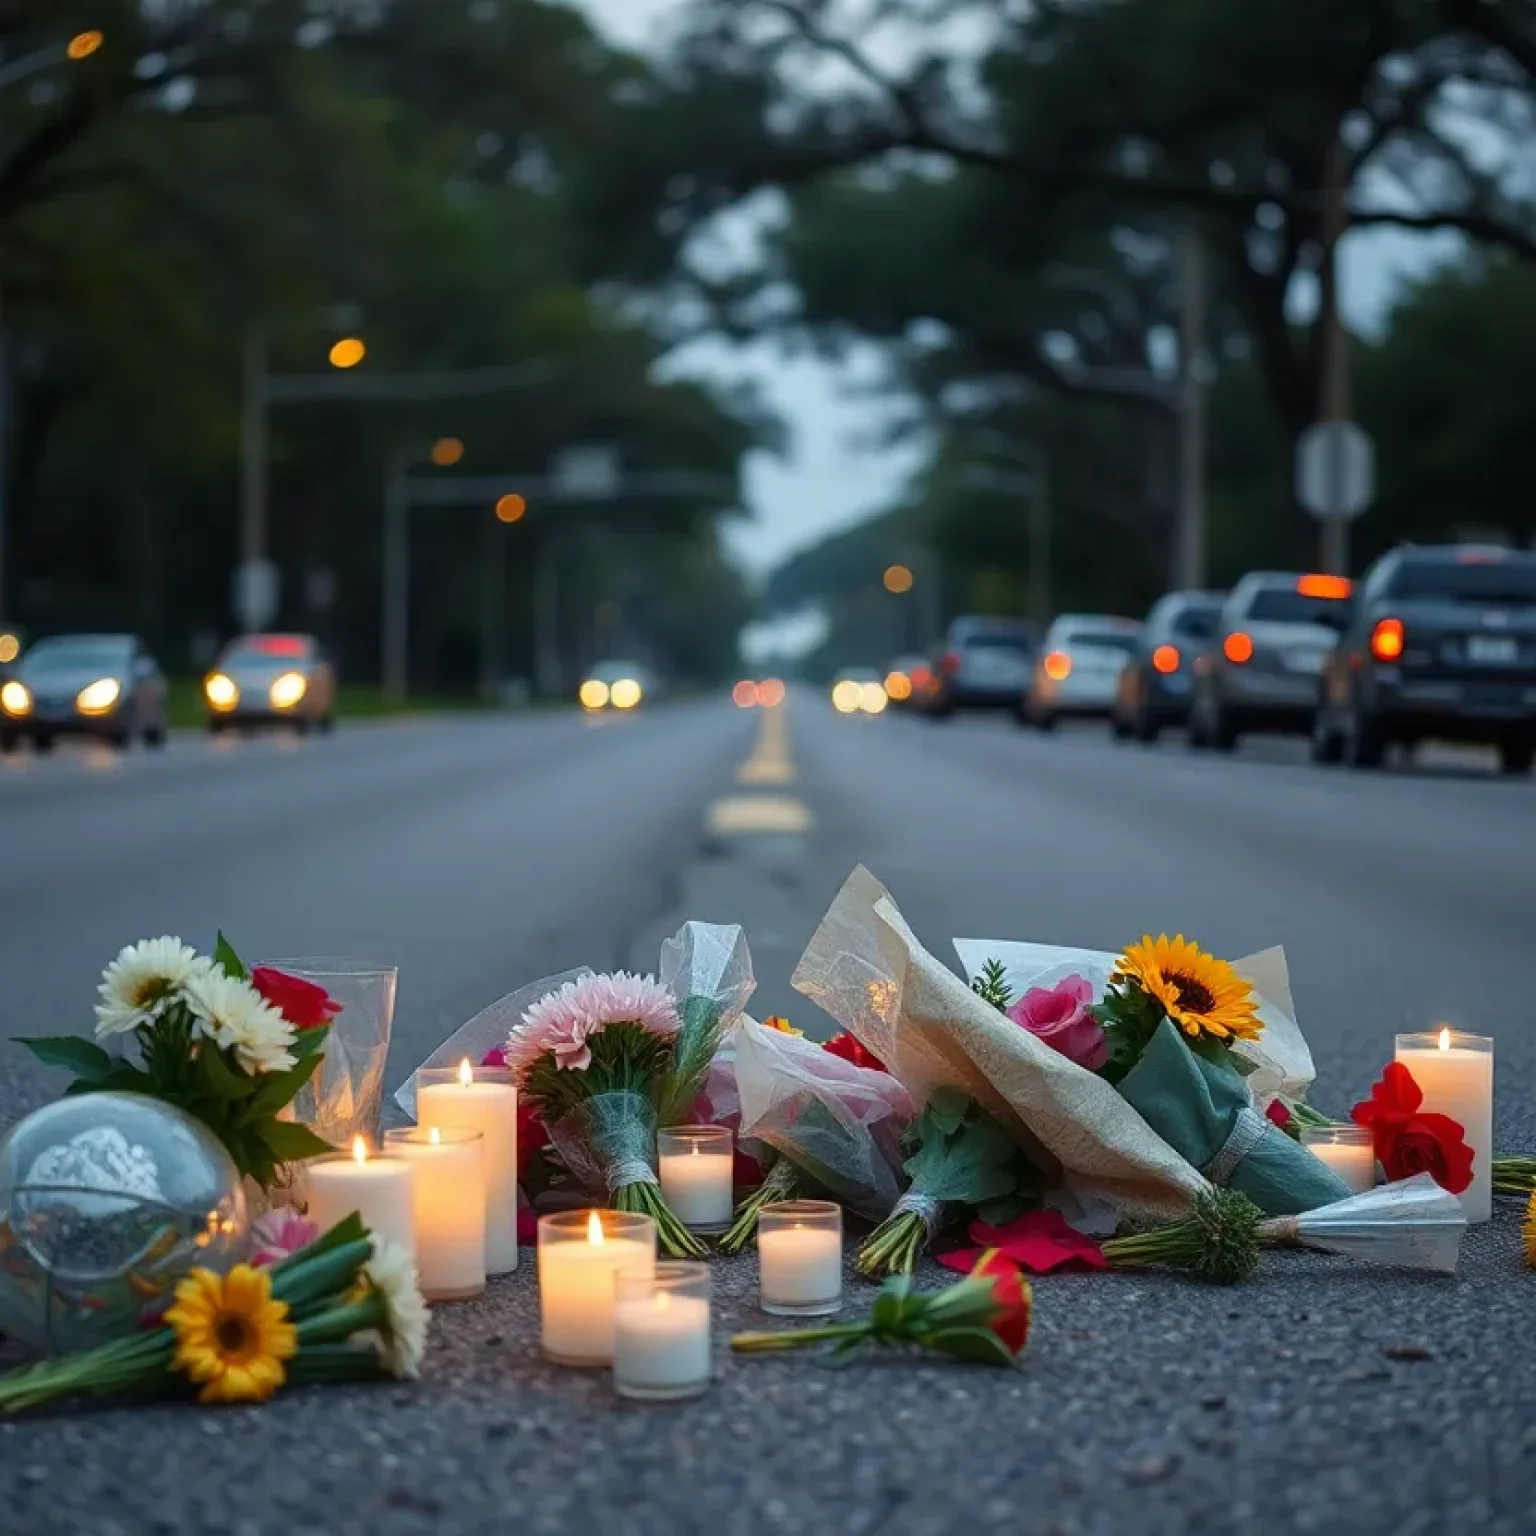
column 510, row 508
column 83, row 44
column 898, row 578
column 348, row 352
column 446, row 452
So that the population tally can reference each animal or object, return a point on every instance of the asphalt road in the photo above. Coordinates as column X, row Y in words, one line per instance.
column 481, row 853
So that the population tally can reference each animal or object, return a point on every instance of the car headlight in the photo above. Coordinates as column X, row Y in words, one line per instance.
column 98, row 697
column 594, row 694
column 846, row 697
column 15, row 700
column 625, row 693
column 221, row 692
column 872, row 698
column 287, row 690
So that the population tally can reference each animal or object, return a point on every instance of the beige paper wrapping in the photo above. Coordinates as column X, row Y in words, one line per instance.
column 866, row 968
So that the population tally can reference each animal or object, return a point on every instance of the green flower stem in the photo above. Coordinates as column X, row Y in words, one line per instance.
column 765, row 1343
column 1514, row 1175
column 335, row 1363
column 892, row 1248
column 644, row 1199
column 784, row 1182
column 1218, row 1242
column 341, row 1322
column 124, row 1366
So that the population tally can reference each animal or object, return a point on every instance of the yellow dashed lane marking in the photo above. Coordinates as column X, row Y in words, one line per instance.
column 771, row 762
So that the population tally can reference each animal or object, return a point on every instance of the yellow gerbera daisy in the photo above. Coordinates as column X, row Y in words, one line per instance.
column 1530, row 1232
column 231, row 1336
column 1202, row 995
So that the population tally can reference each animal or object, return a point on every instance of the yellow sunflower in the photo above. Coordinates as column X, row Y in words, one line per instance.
column 1201, row 994
column 231, row 1336
column 783, row 1026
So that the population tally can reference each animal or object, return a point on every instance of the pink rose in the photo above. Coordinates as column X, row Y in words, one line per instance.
column 280, row 1234
column 1059, row 1016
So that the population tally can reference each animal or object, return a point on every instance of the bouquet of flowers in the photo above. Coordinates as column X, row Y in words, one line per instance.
column 344, row 1308
column 229, row 1047
column 1164, row 1032
column 832, row 1114
column 961, row 1157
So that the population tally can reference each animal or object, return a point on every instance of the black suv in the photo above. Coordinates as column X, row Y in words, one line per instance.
column 1441, row 644
column 1155, row 687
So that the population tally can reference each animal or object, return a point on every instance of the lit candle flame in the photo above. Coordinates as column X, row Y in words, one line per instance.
column 359, row 1150
column 594, row 1228
column 1445, row 1039
column 435, row 1136
column 466, row 1072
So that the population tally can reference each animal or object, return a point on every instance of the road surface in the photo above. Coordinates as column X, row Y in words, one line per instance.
column 480, row 853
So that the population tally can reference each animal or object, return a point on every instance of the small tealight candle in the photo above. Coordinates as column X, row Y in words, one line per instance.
column 450, row 1208
column 1454, row 1072
column 1347, row 1149
column 661, row 1333
column 800, row 1257
column 580, row 1253
column 378, row 1189
column 483, row 1099
column 697, row 1168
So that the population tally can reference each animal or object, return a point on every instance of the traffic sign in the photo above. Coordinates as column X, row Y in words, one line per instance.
column 588, row 472
column 254, row 593
column 1335, row 470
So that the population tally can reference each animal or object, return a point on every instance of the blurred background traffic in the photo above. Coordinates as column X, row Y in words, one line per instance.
column 1156, row 362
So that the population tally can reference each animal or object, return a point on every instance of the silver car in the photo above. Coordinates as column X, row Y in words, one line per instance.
column 105, row 686
column 1077, row 673
column 271, row 680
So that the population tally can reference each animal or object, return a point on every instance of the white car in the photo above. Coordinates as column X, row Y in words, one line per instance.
column 271, row 680
column 621, row 685
column 1077, row 673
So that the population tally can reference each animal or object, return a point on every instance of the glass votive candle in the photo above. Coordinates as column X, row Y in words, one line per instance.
column 661, row 1333
column 448, row 1167
column 1347, row 1149
column 697, row 1174
column 800, row 1257
column 483, row 1099
column 580, row 1254
column 1454, row 1071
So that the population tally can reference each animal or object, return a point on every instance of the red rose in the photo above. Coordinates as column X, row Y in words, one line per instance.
column 1012, row 1298
column 301, row 1002
column 1277, row 1113
column 1409, row 1142
column 849, row 1049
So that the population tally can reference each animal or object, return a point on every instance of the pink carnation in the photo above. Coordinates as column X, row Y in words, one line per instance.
column 560, row 1023
column 281, row 1232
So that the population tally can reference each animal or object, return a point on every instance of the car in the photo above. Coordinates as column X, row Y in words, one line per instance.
column 985, row 664
column 103, row 686
column 1262, row 671
column 1077, row 673
column 621, row 685
column 859, row 690
column 271, row 679
column 1156, row 683
column 1441, row 643
column 906, row 681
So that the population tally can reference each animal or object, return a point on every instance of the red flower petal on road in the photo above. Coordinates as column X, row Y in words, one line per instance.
column 1038, row 1241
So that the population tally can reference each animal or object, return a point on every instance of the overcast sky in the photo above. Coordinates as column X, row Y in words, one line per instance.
column 828, row 479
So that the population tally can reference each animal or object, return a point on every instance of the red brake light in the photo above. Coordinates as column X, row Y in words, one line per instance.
column 745, row 694
column 1238, row 647
column 279, row 645
column 1387, row 640
column 951, row 663
column 1058, row 666
column 770, row 693
column 921, row 677
column 1165, row 659
column 1325, row 586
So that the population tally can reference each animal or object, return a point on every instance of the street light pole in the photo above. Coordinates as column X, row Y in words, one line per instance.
column 1189, row 549
column 253, row 449
column 1335, row 380
column 394, row 575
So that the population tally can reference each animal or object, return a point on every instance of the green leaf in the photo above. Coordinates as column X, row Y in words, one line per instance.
column 227, row 960
column 291, row 1143
column 74, row 1054
column 224, row 1081
column 277, row 1089
column 309, row 1042
column 946, row 1109
column 977, row 1344
column 992, row 986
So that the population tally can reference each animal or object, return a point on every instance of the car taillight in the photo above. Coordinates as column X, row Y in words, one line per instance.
column 921, row 677
column 1058, row 666
column 1387, row 639
column 1238, row 647
column 1165, row 659
column 951, row 663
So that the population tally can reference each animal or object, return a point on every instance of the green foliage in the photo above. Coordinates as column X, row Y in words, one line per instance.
column 992, row 986
column 626, row 1058
column 1129, row 1018
column 698, row 1038
column 1218, row 1242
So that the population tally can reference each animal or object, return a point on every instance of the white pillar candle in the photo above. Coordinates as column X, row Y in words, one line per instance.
column 697, row 1168
column 379, row 1189
column 800, row 1257
column 484, row 1101
column 661, row 1333
column 450, row 1208
column 1454, row 1072
column 1347, row 1150
column 577, row 1266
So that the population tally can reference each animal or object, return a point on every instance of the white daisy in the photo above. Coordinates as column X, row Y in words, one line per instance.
column 233, row 1014
column 402, row 1342
column 145, row 980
